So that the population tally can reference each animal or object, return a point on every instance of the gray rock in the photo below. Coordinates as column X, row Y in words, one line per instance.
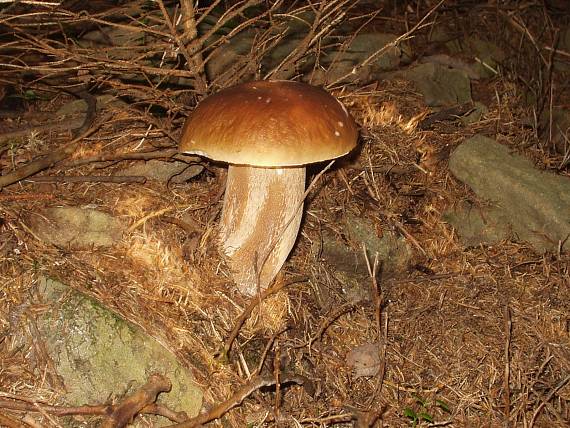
column 76, row 228
column 80, row 106
column 99, row 355
column 440, row 85
column 342, row 61
column 223, row 60
column 480, row 225
column 164, row 172
column 526, row 204
column 393, row 251
column 487, row 55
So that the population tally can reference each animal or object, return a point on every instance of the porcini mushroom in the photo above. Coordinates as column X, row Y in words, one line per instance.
column 267, row 131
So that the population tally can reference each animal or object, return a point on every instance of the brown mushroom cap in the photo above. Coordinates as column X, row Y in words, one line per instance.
column 270, row 124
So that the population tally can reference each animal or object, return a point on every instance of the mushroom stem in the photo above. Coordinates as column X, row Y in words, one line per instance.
column 259, row 223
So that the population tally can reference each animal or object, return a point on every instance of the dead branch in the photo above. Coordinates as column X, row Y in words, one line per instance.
column 141, row 402
column 63, row 125
column 191, row 33
column 90, row 113
column 506, row 373
column 327, row 16
column 117, row 157
column 347, row 307
column 88, row 179
column 125, row 412
column 45, row 161
column 255, row 383
column 27, row 196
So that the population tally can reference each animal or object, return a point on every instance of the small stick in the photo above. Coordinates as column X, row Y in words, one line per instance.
column 148, row 217
column 88, row 179
column 254, row 302
column 545, row 401
column 27, row 196
column 189, row 228
column 347, row 307
column 382, row 333
column 376, row 291
column 90, row 114
column 277, row 377
column 267, row 348
column 506, row 386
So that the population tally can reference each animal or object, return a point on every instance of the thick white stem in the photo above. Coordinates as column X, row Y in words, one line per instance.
column 255, row 237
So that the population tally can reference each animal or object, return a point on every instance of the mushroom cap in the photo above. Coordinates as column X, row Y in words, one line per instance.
column 270, row 124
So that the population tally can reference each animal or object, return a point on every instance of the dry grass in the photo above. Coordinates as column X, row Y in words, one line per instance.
column 472, row 337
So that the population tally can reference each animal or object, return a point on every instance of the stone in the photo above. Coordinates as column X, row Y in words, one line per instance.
column 80, row 106
column 441, row 86
column 520, row 202
column 394, row 255
column 76, row 228
column 98, row 355
column 340, row 62
column 487, row 55
column 174, row 172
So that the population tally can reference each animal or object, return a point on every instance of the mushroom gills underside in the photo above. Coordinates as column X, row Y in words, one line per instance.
column 260, row 220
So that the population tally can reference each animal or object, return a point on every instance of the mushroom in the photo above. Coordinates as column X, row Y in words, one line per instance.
column 267, row 131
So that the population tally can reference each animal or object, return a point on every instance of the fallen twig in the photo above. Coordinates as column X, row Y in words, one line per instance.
column 507, row 369
column 141, row 402
column 62, row 125
column 544, row 401
column 149, row 409
column 241, row 394
column 88, row 179
column 47, row 160
column 347, row 307
column 114, row 157
column 132, row 405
